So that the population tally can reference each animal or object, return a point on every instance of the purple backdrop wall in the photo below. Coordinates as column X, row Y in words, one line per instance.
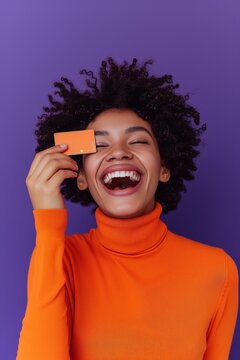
column 196, row 41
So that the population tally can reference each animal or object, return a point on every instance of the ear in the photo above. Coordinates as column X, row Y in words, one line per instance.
column 164, row 173
column 81, row 180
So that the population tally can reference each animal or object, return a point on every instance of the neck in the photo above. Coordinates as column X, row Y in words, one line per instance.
column 131, row 236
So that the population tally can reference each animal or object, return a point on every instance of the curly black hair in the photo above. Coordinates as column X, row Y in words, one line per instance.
column 128, row 86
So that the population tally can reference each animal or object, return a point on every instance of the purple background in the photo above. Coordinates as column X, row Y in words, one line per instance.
column 195, row 41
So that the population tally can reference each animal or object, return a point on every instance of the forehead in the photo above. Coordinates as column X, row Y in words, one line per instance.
column 117, row 120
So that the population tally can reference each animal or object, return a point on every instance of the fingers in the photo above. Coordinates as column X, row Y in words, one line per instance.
column 57, row 179
column 51, row 164
column 48, row 170
column 40, row 155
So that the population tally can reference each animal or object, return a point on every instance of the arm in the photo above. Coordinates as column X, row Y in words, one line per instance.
column 222, row 326
column 46, row 325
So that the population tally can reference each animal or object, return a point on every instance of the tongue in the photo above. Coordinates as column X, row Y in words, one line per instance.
column 121, row 183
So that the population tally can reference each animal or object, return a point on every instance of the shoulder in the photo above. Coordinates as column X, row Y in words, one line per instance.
column 78, row 241
column 79, row 246
column 206, row 259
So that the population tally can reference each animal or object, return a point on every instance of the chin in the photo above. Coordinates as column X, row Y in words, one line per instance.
column 124, row 210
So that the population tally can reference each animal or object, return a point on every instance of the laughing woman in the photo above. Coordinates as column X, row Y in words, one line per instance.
column 129, row 288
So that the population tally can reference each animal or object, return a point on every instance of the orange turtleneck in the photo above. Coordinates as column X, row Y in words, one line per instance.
column 129, row 289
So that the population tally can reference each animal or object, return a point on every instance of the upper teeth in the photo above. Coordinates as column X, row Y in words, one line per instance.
column 132, row 174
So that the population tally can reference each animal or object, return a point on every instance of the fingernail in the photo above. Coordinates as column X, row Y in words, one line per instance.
column 63, row 145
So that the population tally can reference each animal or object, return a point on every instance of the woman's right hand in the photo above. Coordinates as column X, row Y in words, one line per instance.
column 48, row 170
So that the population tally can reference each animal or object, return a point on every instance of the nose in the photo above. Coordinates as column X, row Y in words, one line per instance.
column 119, row 153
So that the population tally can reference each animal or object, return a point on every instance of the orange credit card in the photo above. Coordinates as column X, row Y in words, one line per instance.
column 78, row 141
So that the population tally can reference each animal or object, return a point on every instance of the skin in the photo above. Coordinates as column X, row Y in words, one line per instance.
column 138, row 148
column 48, row 170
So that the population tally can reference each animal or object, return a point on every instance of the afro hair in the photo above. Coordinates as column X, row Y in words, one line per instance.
column 174, row 123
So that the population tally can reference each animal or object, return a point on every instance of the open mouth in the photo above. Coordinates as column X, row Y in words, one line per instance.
column 119, row 180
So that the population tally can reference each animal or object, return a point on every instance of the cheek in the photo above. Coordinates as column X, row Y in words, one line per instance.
column 87, row 167
column 90, row 165
column 153, row 167
column 151, row 160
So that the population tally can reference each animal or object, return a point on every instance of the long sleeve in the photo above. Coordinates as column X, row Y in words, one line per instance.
column 45, row 328
column 221, row 330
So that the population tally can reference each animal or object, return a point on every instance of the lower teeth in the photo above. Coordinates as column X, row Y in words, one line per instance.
column 122, row 186
column 121, row 183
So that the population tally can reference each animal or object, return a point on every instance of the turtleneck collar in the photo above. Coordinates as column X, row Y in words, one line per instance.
column 131, row 236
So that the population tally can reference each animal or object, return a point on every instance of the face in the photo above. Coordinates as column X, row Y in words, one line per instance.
column 123, row 175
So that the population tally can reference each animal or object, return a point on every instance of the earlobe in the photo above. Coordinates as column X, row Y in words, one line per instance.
column 81, row 180
column 164, row 174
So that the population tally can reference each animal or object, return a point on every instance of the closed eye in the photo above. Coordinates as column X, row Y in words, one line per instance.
column 100, row 145
column 140, row 142
column 134, row 142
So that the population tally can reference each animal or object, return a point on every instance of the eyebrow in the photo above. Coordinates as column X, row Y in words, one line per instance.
column 127, row 131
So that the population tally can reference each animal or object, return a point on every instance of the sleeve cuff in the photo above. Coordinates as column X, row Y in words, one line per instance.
column 50, row 220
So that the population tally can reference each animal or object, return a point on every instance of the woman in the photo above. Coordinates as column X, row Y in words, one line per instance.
column 130, row 288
